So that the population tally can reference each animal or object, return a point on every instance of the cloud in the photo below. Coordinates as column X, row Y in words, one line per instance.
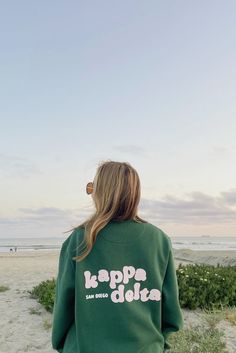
column 197, row 208
column 229, row 197
column 14, row 166
column 219, row 150
column 54, row 213
column 48, row 212
column 47, row 217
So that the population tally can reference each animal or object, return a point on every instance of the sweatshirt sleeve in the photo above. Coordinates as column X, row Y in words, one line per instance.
column 172, row 317
column 64, row 303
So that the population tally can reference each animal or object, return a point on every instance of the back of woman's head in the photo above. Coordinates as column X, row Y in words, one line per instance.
column 116, row 194
column 116, row 191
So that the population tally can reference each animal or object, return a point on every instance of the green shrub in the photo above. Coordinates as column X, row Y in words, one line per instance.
column 206, row 286
column 44, row 292
column 200, row 286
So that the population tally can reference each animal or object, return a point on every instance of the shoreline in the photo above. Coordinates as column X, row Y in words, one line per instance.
column 184, row 256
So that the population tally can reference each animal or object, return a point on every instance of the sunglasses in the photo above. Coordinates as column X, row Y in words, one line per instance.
column 89, row 188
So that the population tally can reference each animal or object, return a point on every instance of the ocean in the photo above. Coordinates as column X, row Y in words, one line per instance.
column 29, row 244
column 178, row 242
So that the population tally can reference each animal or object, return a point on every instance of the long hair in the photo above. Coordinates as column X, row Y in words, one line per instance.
column 116, row 194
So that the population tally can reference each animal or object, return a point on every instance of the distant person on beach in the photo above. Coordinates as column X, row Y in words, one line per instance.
column 121, row 293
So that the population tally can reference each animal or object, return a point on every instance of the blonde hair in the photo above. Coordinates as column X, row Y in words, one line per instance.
column 116, row 194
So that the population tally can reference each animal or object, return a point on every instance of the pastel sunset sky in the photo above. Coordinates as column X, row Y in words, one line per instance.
column 152, row 83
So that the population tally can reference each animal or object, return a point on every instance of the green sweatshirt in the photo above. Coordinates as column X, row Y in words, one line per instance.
column 122, row 298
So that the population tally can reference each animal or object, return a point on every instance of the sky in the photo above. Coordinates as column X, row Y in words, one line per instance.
column 151, row 83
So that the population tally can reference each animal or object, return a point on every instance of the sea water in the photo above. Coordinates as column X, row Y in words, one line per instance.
column 204, row 242
column 178, row 242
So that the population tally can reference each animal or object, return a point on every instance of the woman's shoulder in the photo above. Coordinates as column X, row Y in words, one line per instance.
column 73, row 239
column 158, row 233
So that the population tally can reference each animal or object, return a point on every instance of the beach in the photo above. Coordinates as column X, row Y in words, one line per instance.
column 210, row 257
column 26, row 326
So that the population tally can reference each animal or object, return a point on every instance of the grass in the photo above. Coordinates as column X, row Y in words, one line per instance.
column 230, row 315
column 4, row 288
column 215, row 316
column 212, row 319
column 197, row 340
column 47, row 324
column 34, row 311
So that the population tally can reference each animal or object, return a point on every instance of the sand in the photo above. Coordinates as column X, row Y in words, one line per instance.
column 210, row 257
column 23, row 331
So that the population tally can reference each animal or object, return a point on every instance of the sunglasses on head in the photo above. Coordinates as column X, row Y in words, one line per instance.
column 89, row 188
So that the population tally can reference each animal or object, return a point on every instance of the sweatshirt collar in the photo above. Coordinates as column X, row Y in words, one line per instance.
column 126, row 231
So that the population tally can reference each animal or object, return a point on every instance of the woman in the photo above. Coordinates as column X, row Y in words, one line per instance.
column 120, row 295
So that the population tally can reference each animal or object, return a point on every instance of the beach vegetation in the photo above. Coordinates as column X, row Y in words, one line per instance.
column 47, row 324
column 44, row 292
column 206, row 286
column 34, row 311
column 216, row 315
column 197, row 340
column 4, row 288
column 230, row 315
